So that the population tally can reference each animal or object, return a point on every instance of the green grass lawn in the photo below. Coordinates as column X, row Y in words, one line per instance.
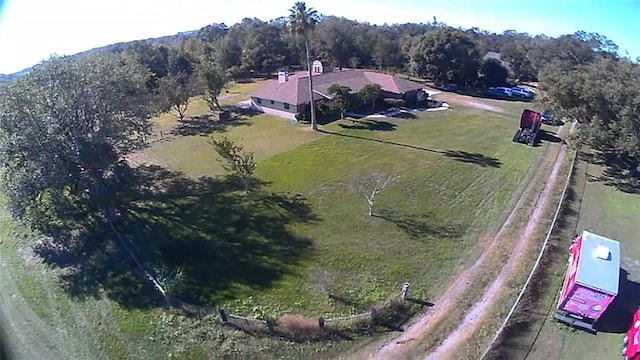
column 197, row 106
column 238, row 92
column 265, row 135
column 607, row 211
column 301, row 228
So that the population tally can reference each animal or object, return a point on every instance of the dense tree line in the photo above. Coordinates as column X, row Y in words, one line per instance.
column 434, row 50
column 603, row 96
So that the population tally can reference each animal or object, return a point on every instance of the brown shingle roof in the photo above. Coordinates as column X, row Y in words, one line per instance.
column 296, row 89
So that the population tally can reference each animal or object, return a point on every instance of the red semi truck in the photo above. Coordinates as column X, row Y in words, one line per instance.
column 530, row 122
column 591, row 282
column 631, row 349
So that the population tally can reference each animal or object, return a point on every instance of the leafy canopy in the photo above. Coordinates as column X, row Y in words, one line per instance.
column 302, row 20
column 64, row 127
column 342, row 98
column 604, row 97
column 446, row 55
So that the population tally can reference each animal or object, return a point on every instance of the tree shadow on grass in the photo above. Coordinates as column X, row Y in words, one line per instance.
column 546, row 136
column 369, row 124
column 622, row 177
column 618, row 316
column 207, row 124
column 420, row 302
column 473, row 158
column 458, row 155
column 421, row 225
column 620, row 172
column 406, row 115
column 226, row 243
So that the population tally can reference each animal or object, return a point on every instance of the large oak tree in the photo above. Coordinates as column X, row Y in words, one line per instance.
column 64, row 128
column 446, row 55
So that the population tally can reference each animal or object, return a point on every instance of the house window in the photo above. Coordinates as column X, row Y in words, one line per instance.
column 272, row 102
column 286, row 106
column 259, row 101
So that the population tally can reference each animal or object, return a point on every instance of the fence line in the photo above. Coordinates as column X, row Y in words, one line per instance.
column 247, row 319
column 535, row 265
column 349, row 317
column 321, row 321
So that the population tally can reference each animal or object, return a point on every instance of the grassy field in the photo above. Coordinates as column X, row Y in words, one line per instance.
column 602, row 209
column 236, row 92
column 265, row 135
column 496, row 258
column 300, row 233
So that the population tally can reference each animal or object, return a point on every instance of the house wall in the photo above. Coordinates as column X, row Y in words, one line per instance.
column 277, row 105
column 390, row 95
column 411, row 96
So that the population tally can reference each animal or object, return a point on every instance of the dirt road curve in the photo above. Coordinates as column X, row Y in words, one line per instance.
column 397, row 346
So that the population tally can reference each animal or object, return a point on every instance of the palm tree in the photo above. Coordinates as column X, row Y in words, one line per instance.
column 301, row 21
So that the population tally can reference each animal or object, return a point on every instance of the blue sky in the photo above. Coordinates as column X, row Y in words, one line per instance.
column 32, row 30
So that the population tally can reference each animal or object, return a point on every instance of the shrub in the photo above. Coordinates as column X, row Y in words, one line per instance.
column 324, row 109
column 395, row 102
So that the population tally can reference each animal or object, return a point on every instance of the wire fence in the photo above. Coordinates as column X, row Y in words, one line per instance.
column 535, row 265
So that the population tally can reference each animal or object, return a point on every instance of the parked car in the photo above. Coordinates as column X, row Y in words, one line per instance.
column 499, row 92
column 391, row 112
column 450, row 87
column 521, row 92
column 549, row 119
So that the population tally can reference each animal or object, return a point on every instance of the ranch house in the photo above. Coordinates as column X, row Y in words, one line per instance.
column 289, row 94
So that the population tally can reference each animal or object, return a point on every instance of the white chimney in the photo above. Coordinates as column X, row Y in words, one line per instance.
column 283, row 76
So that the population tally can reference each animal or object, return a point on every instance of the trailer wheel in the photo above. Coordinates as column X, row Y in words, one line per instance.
column 516, row 137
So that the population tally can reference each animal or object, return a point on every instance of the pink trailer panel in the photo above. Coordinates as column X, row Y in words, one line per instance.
column 587, row 302
column 591, row 282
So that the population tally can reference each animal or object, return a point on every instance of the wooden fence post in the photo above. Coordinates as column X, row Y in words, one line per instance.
column 321, row 322
column 405, row 291
column 269, row 322
column 373, row 314
column 223, row 315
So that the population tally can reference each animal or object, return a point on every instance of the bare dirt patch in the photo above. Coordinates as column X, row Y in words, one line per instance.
column 482, row 106
column 31, row 253
column 138, row 158
column 467, row 100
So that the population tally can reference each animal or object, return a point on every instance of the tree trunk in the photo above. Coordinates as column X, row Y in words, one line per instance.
column 370, row 210
column 314, row 125
column 247, row 183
